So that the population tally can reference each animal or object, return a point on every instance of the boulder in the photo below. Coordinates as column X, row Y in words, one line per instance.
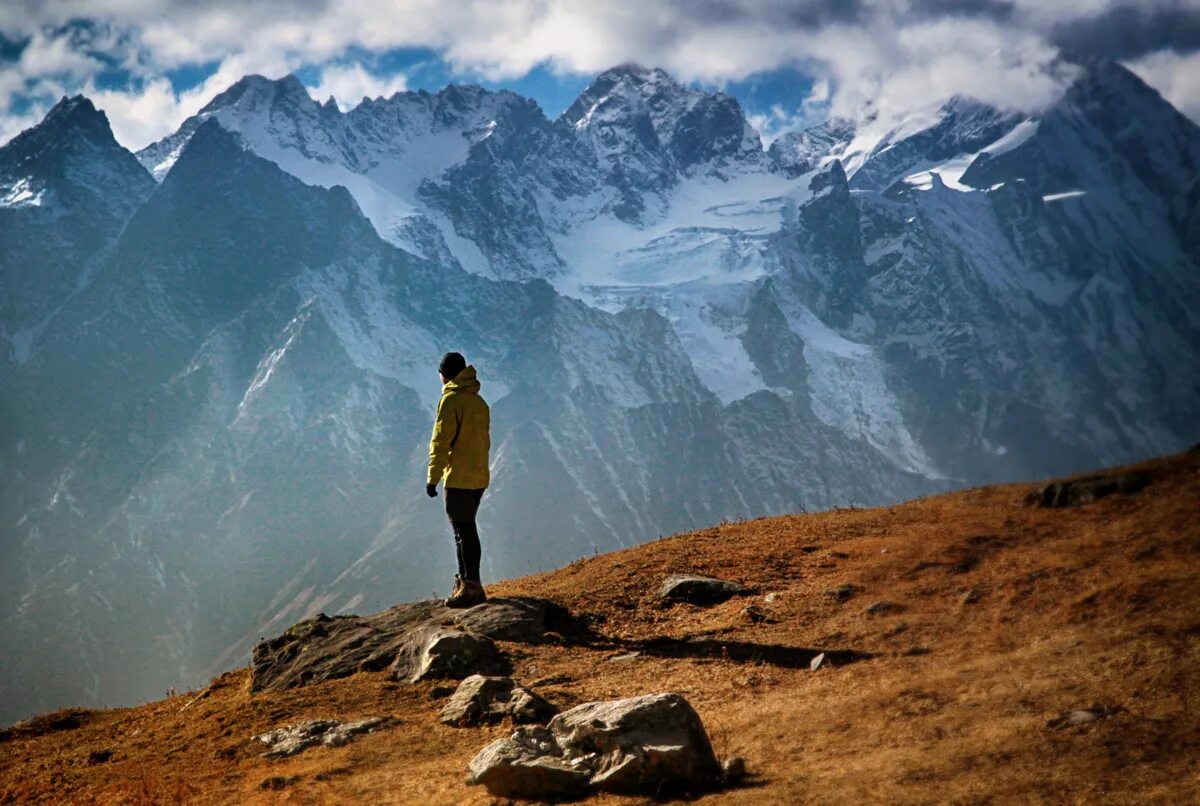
column 529, row 764
column 643, row 744
column 290, row 740
column 699, row 590
column 432, row 653
column 482, row 699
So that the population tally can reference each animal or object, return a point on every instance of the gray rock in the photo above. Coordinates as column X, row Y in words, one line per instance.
column 325, row 648
column 971, row 596
column 520, row 620
column 431, row 653
column 1086, row 490
column 882, row 607
column 733, row 769
column 699, row 590
column 529, row 764
column 817, row 662
column 754, row 614
column 1081, row 716
column 841, row 593
column 641, row 744
column 290, row 740
column 482, row 699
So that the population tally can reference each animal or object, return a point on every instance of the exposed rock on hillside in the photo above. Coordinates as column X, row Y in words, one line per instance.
column 417, row 641
column 1074, row 492
column 290, row 740
column 699, row 590
column 482, row 699
column 640, row 744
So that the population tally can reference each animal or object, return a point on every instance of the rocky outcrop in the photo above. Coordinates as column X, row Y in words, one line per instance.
column 417, row 641
column 290, row 740
column 1086, row 490
column 482, row 699
column 699, row 590
column 643, row 744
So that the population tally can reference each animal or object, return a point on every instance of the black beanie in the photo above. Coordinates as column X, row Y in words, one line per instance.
column 452, row 364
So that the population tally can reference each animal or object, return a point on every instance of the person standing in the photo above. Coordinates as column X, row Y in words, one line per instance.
column 458, row 456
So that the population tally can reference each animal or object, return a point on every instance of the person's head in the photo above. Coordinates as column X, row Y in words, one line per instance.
column 452, row 364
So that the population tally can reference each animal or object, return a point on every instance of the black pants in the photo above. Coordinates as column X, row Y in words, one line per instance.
column 461, row 506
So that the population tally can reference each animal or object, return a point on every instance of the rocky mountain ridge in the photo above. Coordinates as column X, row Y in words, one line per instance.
column 216, row 411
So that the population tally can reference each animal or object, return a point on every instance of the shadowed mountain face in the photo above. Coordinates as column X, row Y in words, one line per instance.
column 216, row 390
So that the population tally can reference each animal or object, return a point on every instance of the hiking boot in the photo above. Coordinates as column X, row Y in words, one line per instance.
column 456, row 593
column 469, row 595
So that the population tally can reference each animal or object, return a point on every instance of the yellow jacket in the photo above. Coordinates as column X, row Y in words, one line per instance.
column 458, row 450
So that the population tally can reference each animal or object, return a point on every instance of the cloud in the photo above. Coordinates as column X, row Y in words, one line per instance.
column 350, row 83
column 875, row 54
column 1131, row 31
column 143, row 116
column 922, row 63
column 13, row 124
column 1175, row 76
column 55, row 56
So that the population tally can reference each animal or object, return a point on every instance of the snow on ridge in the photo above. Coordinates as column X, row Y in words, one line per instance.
column 373, row 333
column 695, row 266
column 849, row 392
column 951, row 171
column 1069, row 194
column 22, row 194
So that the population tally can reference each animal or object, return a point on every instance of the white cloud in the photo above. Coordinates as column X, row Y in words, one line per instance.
column 889, row 52
column 13, row 124
column 350, row 83
column 55, row 56
column 1175, row 76
column 918, row 64
column 142, row 116
column 138, row 118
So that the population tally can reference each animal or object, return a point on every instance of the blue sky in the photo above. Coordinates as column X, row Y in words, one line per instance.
column 150, row 63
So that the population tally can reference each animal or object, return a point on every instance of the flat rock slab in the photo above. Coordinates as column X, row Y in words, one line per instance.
column 522, row 620
column 643, row 744
column 326, row 648
column 489, row 700
column 699, row 590
column 1086, row 490
column 290, row 740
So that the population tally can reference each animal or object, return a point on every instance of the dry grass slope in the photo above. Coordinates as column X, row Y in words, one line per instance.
column 1006, row 616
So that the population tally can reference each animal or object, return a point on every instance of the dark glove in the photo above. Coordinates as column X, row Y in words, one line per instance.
column 431, row 490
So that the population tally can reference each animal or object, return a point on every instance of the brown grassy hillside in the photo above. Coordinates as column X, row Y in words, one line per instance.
column 1006, row 615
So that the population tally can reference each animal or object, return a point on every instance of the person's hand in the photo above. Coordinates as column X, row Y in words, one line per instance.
column 431, row 490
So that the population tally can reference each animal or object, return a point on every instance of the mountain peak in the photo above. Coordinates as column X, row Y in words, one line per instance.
column 630, row 89
column 254, row 90
column 76, row 115
column 637, row 72
column 73, row 130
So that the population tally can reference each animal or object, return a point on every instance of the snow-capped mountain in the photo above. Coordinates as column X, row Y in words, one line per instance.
column 66, row 187
column 216, row 405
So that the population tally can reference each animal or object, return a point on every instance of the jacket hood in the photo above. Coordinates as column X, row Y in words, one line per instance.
column 464, row 381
